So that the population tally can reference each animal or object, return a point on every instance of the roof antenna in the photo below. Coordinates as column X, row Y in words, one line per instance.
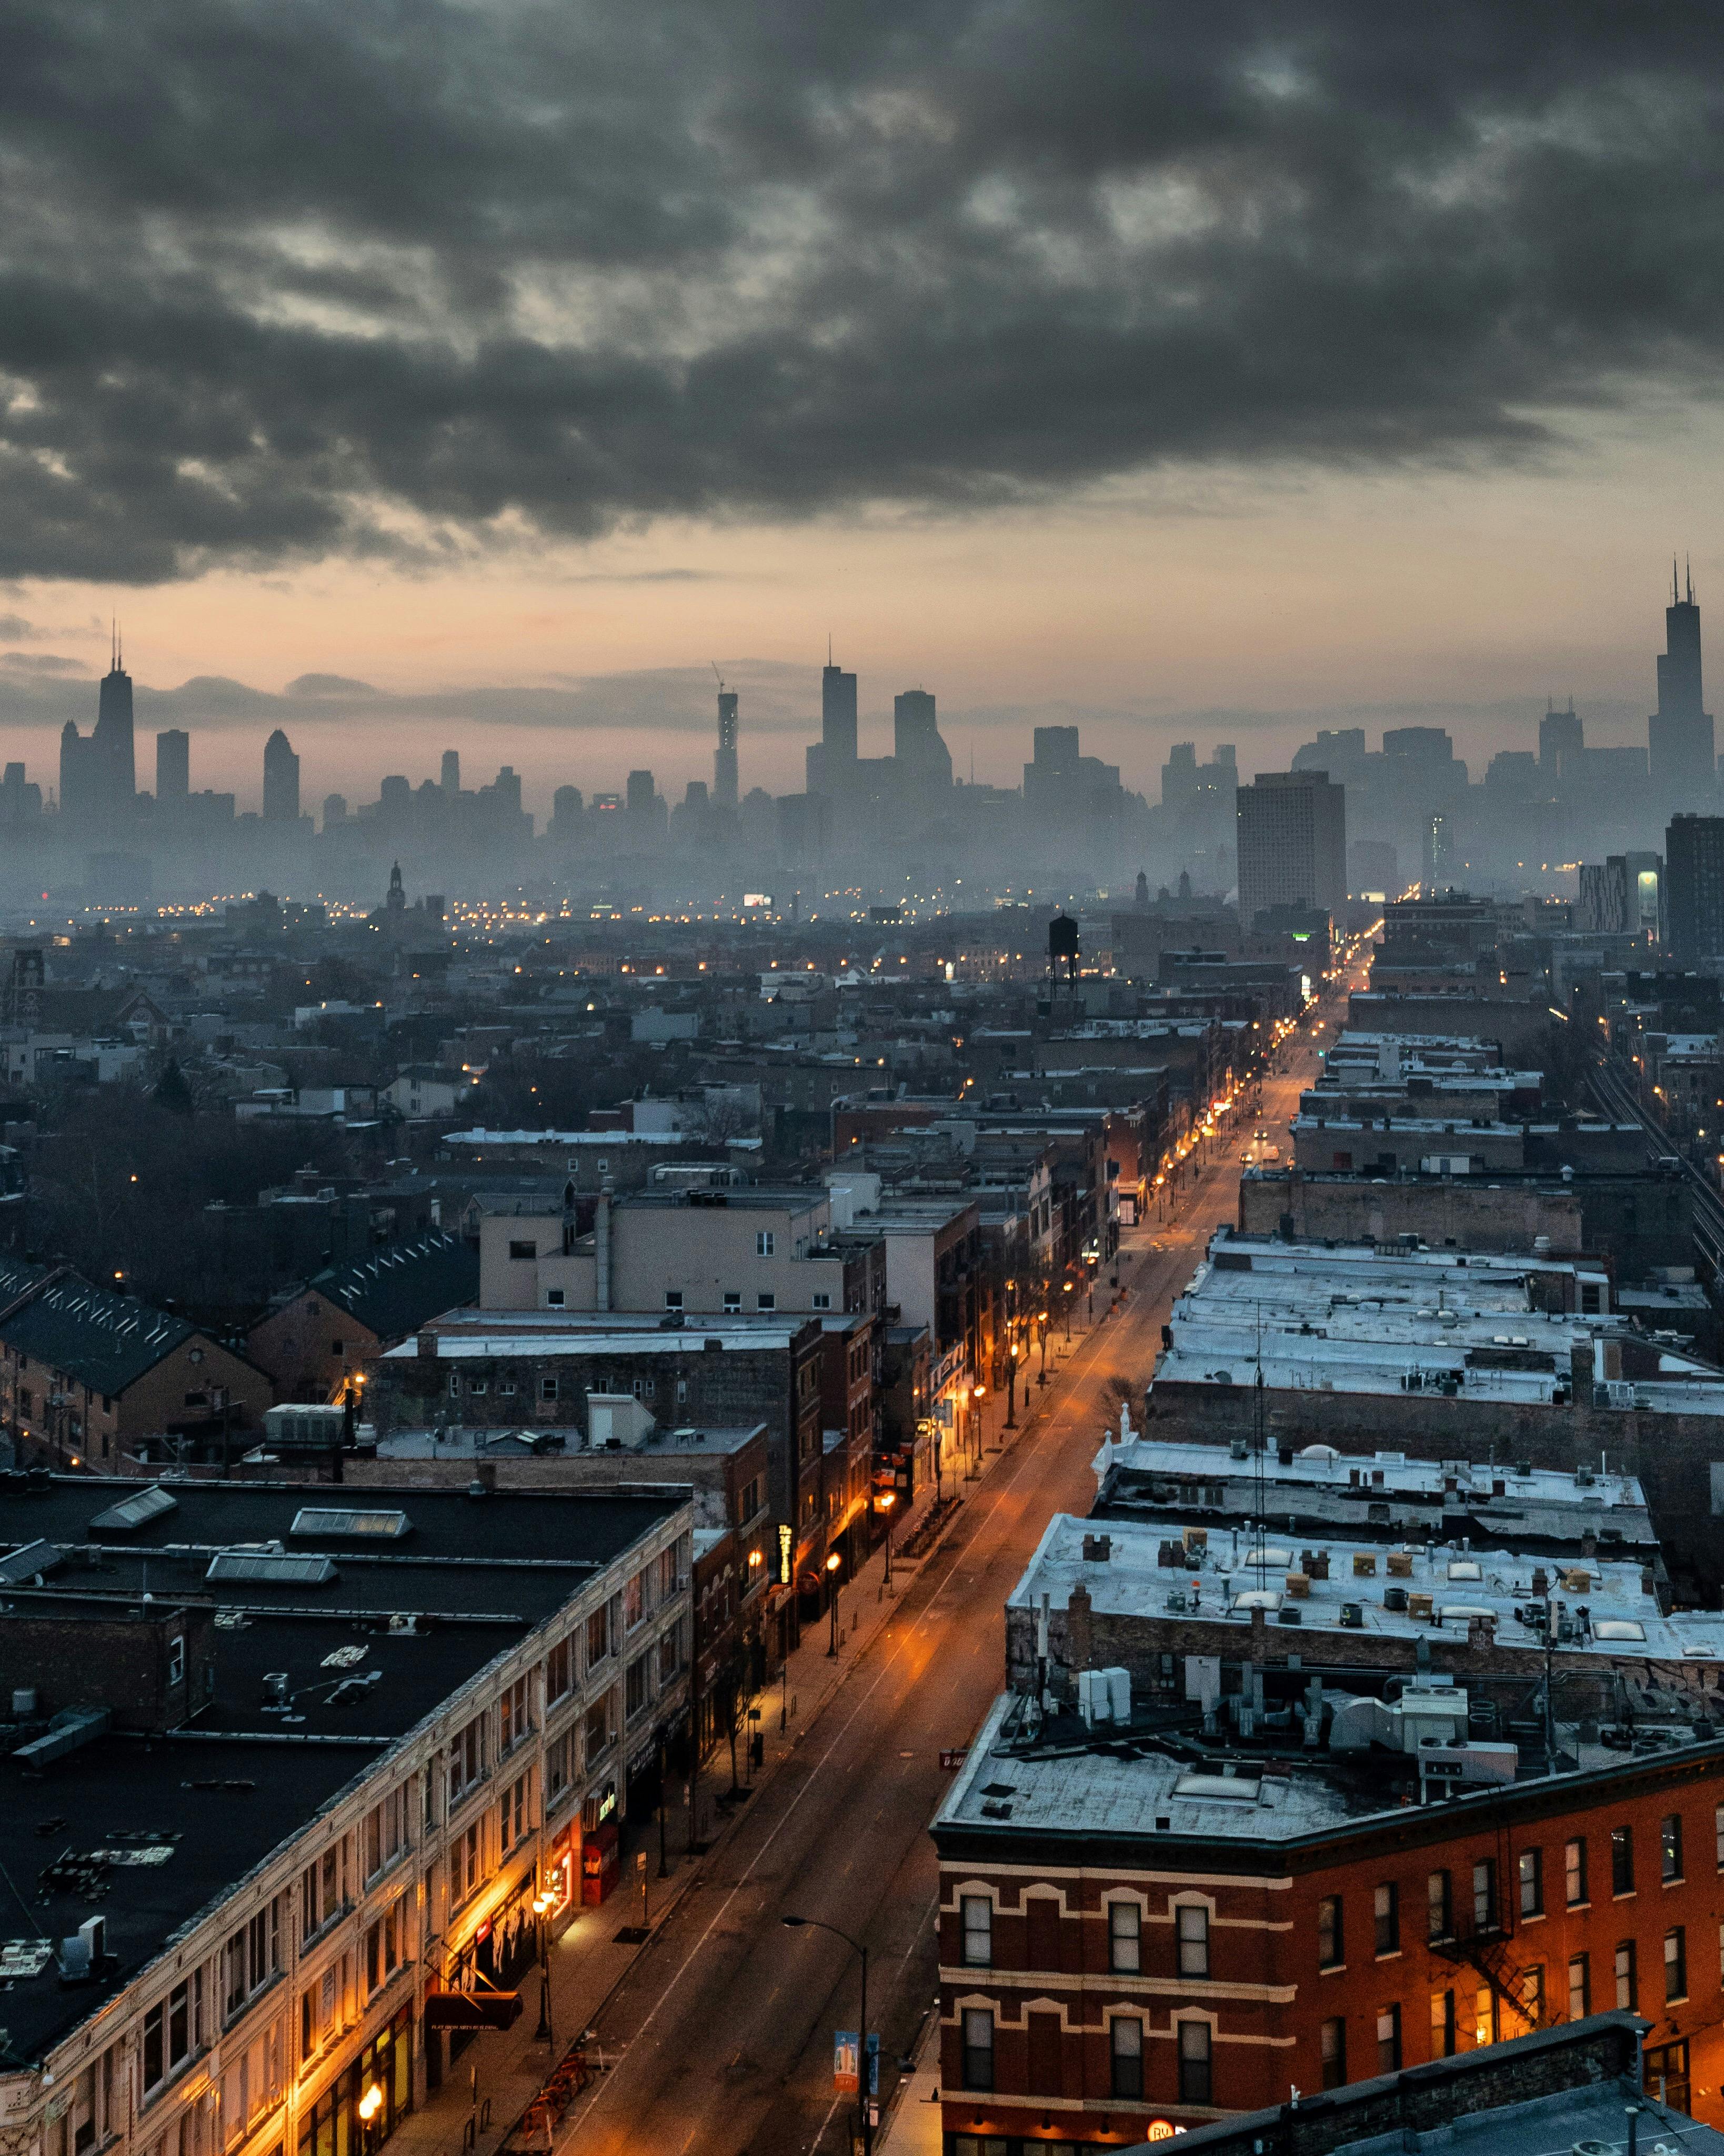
column 1688, row 576
column 1676, row 592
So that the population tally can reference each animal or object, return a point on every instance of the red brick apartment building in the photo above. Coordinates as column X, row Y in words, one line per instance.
column 1140, row 1932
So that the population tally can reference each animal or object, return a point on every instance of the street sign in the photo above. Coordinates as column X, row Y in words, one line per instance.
column 874, row 2062
column 845, row 2075
column 951, row 1761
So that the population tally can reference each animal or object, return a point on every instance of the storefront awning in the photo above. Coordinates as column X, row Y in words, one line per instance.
column 472, row 2009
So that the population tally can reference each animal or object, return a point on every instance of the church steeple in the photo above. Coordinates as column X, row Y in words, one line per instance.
column 397, row 899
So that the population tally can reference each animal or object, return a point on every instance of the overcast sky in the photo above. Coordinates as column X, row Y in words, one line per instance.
column 474, row 374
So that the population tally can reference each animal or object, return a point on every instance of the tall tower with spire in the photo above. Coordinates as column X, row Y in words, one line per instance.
column 1679, row 732
column 115, row 758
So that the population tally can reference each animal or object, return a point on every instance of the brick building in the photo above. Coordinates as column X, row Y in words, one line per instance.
column 316, row 1337
column 88, row 1376
column 543, row 1370
column 1144, row 1925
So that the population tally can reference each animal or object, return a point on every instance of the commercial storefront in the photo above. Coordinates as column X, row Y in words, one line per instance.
column 363, row 2106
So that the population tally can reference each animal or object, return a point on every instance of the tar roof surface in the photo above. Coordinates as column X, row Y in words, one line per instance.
column 121, row 1792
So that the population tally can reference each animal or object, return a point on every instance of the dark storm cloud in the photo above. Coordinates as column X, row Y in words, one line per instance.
column 412, row 277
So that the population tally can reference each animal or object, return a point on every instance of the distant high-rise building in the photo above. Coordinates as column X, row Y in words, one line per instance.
column 1694, row 887
column 724, row 756
column 173, row 766
column 1062, row 786
column 451, row 781
column 115, row 761
column 98, row 772
column 831, row 762
column 641, row 791
column 838, row 715
column 1621, row 895
column 1679, row 734
column 1562, row 739
column 1292, row 843
column 335, row 810
column 282, row 780
column 924, row 761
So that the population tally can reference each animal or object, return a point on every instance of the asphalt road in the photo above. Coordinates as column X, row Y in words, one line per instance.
column 723, row 2036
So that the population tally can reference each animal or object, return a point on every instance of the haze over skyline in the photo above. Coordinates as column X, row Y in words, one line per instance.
column 1213, row 378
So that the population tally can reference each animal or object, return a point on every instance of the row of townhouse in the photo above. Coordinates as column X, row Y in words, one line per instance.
column 308, row 1768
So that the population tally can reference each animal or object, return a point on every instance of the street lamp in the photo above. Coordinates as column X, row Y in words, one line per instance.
column 832, row 1565
column 543, row 1906
column 1068, row 1316
column 865, row 2114
column 1011, row 1388
column 886, row 1501
column 369, row 2104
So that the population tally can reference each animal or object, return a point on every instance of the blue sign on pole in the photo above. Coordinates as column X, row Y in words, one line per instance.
column 874, row 2062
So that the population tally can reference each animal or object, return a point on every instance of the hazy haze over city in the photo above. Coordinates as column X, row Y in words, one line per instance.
column 1225, row 377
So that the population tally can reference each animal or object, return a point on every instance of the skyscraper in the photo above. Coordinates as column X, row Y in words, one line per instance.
column 1679, row 734
column 1562, row 737
column 114, row 762
column 924, row 761
column 832, row 760
column 451, row 779
column 98, row 772
column 173, row 766
column 1292, row 843
column 282, row 780
column 724, row 758
column 1694, row 886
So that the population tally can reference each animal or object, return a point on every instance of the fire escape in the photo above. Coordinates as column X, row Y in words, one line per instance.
column 1482, row 1940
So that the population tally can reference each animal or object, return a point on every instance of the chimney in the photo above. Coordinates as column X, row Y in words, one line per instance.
column 1260, row 1635
column 427, row 1344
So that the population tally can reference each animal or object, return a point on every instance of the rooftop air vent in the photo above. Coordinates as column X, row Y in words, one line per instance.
column 29, row 1562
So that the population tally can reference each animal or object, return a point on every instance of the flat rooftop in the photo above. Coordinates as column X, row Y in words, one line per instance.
column 1057, row 1779
column 1353, row 1318
column 467, row 1333
column 1319, row 1483
column 454, row 1443
column 1225, row 1572
column 378, row 1607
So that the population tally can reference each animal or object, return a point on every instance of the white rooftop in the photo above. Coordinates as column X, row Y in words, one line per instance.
column 1623, row 1620
column 1357, row 1319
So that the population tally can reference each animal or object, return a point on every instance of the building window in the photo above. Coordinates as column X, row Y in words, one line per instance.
column 173, row 2029
column 1330, row 1955
column 548, row 1388
column 1389, row 2039
column 1675, row 1964
column 1334, row 2053
column 634, row 1601
column 1484, row 2015
column 1622, row 1859
column 1574, row 1873
column 382, row 1948
column 1531, row 1867
column 523, row 1250
column 732, row 1299
column 764, row 1243
column 1718, row 1830
column 512, row 1724
column 1194, row 2062
column 512, row 1820
column 559, row 1671
column 1442, row 2025
column 637, row 1686
column 1128, row 2056
column 1193, row 1922
column 555, row 1297
column 669, row 1655
column 1670, row 1848
column 1628, row 1987
column 597, row 1736
column 1125, row 1937
column 1665, row 2072
column 1484, row 1895
column 820, row 1300
column 978, row 1931
column 1386, row 1913
column 673, row 1298
column 767, row 1301
column 1439, row 1906
column 598, row 1636
column 1532, row 1996
column 978, row 2048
